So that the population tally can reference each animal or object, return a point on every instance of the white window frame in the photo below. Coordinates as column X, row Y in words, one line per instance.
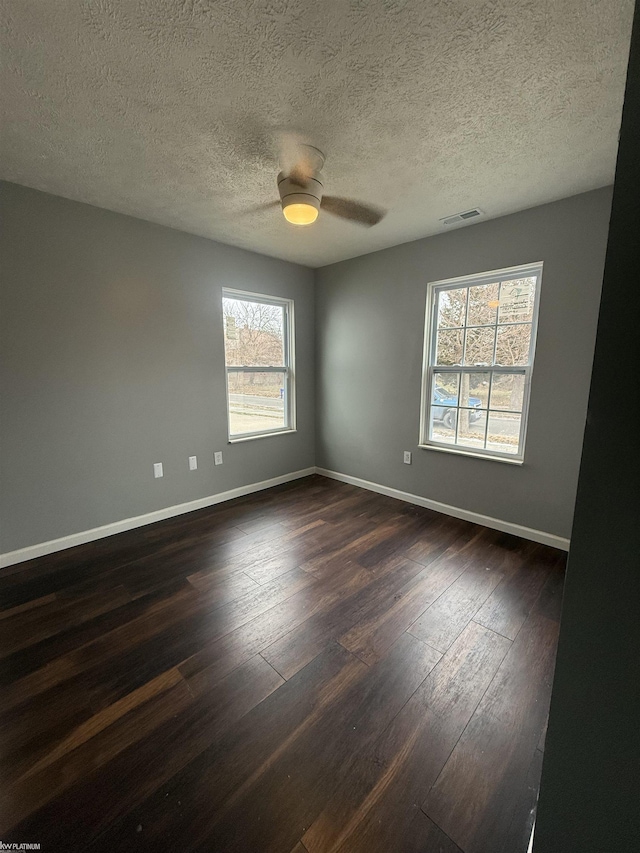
column 430, row 368
column 288, row 368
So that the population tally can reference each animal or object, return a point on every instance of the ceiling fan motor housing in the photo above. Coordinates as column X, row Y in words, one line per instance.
column 292, row 193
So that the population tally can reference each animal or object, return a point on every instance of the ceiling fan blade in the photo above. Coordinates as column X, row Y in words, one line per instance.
column 260, row 208
column 354, row 211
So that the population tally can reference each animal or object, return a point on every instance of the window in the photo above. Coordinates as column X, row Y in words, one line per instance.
column 479, row 344
column 258, row 346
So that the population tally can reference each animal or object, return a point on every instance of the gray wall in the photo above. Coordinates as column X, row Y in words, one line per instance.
column 112, row 359
column 370, row 324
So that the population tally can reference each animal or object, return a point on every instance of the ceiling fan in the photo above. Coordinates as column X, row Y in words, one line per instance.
column 300, row 185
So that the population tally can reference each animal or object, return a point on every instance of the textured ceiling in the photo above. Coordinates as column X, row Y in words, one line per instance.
column 170, row 109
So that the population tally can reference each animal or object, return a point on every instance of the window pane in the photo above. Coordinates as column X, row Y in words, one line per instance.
column 445, row 386
column 471, row 428
column 444, row 397
column 475, row 390
column 253, row 333
column 479, row 346
column 442, row 424
column 513, row 343
column 449, row 348
column 483, row 304
column 451, row 307
column 256, row 402
column 516, row 300
column 504, row 432
column 507, row 391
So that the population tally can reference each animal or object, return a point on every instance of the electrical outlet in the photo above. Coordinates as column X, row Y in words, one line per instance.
column 407, row 457
column 193, row 463
column 217, row 457
column 157, row 470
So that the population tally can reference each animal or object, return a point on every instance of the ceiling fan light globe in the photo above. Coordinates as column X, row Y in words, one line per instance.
column 300, row 213
column 300, row 198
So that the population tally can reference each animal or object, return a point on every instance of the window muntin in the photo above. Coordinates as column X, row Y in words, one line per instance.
column 258, row 344
column 479, row 347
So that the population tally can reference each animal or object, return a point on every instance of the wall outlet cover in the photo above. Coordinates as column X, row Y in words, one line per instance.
column 157, row 470
column 193, row 463
column 407, row 457
column 217, row 457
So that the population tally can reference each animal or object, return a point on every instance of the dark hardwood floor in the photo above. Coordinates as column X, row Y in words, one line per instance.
column 310, row 669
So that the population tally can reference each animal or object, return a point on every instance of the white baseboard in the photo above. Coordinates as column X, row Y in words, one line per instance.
column 32, row 551
column 465, row 514
column 53, row 545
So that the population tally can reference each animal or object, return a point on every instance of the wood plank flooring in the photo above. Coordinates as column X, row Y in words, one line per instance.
column 311, row 669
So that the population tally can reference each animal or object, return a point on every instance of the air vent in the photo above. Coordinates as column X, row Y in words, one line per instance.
column 461, row 217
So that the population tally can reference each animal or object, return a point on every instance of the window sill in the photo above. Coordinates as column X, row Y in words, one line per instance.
column 459, row 451
column 241, row 438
